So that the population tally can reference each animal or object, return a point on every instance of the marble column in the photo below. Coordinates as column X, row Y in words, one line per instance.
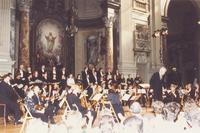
column 156, row 43
column 6, row 63
column 127, row 63
column 24, row 52
column 109, row 44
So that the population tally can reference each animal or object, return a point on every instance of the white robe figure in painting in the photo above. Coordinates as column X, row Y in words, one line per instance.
column 50, row 42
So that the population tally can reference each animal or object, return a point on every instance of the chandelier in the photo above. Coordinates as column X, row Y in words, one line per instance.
column 71, row 28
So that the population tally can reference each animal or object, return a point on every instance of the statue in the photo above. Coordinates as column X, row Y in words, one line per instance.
column 93, row 49
column 50, row 41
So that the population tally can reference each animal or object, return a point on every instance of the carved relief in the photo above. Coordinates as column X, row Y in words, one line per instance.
column 142, row 38
column 89, row 9
column 141, row 58
column 141, row 5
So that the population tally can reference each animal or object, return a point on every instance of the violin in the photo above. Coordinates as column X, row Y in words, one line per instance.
column 38, row 107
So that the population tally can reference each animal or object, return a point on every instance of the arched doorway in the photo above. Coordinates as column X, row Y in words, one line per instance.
column 182, row 43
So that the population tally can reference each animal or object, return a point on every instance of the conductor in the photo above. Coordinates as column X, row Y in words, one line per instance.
column 157, row 83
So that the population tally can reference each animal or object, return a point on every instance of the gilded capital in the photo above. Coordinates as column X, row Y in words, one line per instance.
column 24, row 5
column 109, row 21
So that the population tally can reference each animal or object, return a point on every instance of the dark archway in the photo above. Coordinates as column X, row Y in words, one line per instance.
column 182, row 44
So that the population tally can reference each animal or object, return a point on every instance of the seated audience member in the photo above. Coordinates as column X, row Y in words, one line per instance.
column 136, row 108
column 106, row 124
column 73, row 122
column 191, row 111
column 133, row 124
column 171, row 111
column 8, row 96
column 157, row 107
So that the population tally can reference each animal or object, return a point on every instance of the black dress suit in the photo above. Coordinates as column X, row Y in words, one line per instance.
column 73, row 99
column 24, row 75
column 42, row 72
column 129, row 81
column 84, row 74
column 8, row 97
column 100, row 77
column 156, row 84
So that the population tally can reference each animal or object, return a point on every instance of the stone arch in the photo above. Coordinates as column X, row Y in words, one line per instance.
column 183, row 40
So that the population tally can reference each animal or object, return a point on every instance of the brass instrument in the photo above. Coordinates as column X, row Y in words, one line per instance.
column 83, row 99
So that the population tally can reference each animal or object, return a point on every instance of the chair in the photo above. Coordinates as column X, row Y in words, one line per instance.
column 4, row 112
column 27, row 116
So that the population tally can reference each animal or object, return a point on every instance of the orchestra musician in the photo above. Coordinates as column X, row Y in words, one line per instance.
column 18, row 85
column 54, row 75
column 8, row 97
column 42, row 71
column 29, row 71
column 75, row 102
column 100, row 75
column 62, row 74
column 70, row 80
column 129, row 80
column 36, row 97
column 63, row 78
column 46, row 113
column 118, row 74
column 79, row 79
column 94, row 78
column 172, row 95
column 36, row 76
column 109, row 74
column 23, row 74
column 84, row 74
column 87, row 81
column 114, row 98
column 45, row 78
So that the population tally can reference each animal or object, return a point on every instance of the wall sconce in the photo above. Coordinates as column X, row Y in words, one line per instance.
column 160, row 32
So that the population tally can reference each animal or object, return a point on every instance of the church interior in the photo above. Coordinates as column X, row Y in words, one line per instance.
column 109, row 62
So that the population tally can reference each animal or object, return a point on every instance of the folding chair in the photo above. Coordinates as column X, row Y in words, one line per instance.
column 27, row 116
column 67, row 109
column 4, row 112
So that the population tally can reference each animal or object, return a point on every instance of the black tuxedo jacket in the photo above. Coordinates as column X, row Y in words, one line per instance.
column 156, row 84
column 6, row 92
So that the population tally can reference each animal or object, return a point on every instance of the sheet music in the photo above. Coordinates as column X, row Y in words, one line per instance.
column 133, row 98
column 96, row 97
column 126, row 97
column 145, row 85
column 142, row 91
